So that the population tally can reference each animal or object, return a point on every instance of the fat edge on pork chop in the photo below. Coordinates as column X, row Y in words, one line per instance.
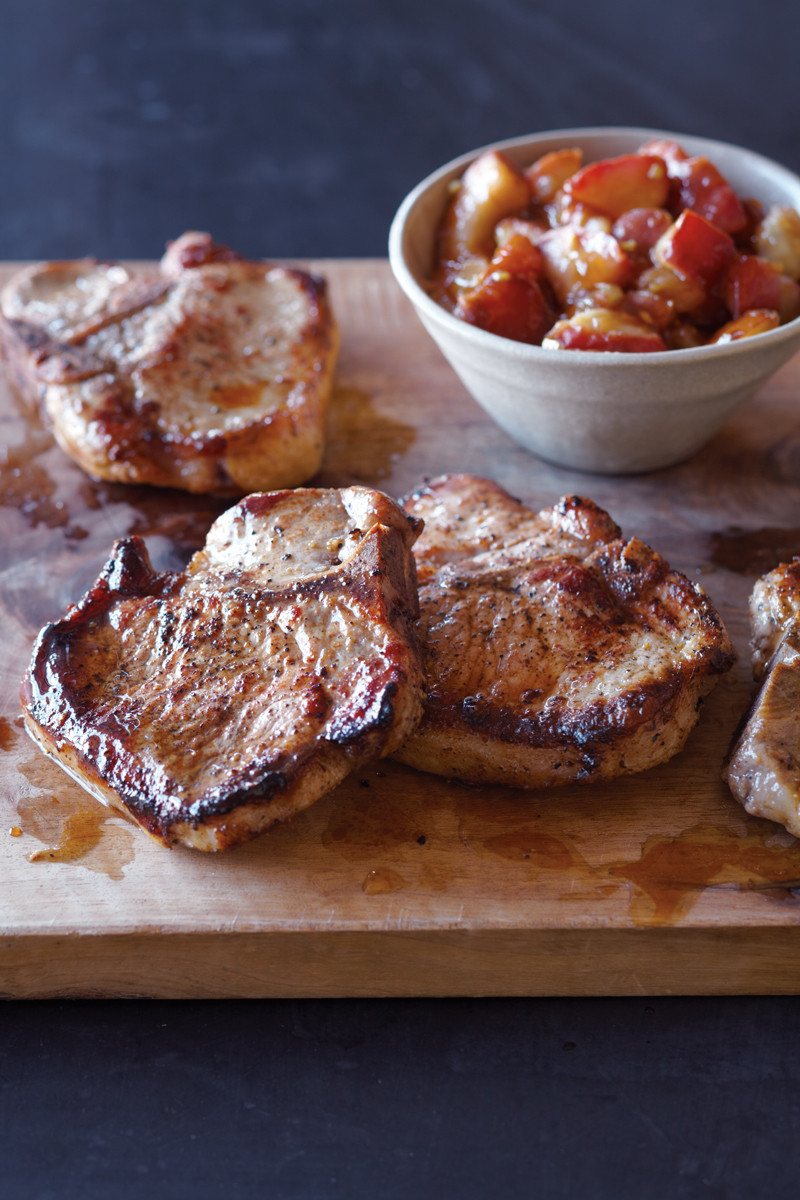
column 556, row 650
column 213, row 703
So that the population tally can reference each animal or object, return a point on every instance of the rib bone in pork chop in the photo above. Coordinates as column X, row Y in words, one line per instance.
column 763, row 769
column 555, row 650
column 211, row 373
column 213, row 703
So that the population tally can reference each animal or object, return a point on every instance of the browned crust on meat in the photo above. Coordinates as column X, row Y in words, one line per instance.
column 555, row 650
column 774, row 608
column 188, row 747
column 158, row 384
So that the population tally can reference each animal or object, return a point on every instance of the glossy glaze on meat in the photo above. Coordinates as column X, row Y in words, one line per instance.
column 212, row 703
column 555, row 649
column 763, row 768
column 210, row 373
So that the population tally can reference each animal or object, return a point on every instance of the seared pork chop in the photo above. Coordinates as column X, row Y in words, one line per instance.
column 774, row 611
column 555, row 650
column 763, row 769
column 213, row 703
column 210, row 373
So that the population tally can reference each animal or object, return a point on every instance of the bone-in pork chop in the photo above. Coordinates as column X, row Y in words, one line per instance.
column 555, row 650
column 763, row 769
column 213, row 703
column 210, row 373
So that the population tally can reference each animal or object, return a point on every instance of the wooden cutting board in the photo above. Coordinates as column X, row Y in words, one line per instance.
column 400, row 883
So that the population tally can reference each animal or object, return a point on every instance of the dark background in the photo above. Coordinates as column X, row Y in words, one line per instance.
column 294, row 130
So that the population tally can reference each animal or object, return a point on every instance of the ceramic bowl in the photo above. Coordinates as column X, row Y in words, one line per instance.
column 606, row 412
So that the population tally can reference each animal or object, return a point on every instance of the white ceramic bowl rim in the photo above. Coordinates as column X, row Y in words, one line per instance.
column 607, row 359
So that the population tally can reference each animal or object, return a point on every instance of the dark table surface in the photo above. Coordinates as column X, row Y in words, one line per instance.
column 293, row 130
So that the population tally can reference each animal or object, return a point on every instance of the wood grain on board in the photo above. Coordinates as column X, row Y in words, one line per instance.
column 400, row 883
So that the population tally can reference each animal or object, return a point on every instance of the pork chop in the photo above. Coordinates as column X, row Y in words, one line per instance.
column 763, row 768
column 555, row 650
column 213, row 703
column 210, row 373
column 774, row 611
